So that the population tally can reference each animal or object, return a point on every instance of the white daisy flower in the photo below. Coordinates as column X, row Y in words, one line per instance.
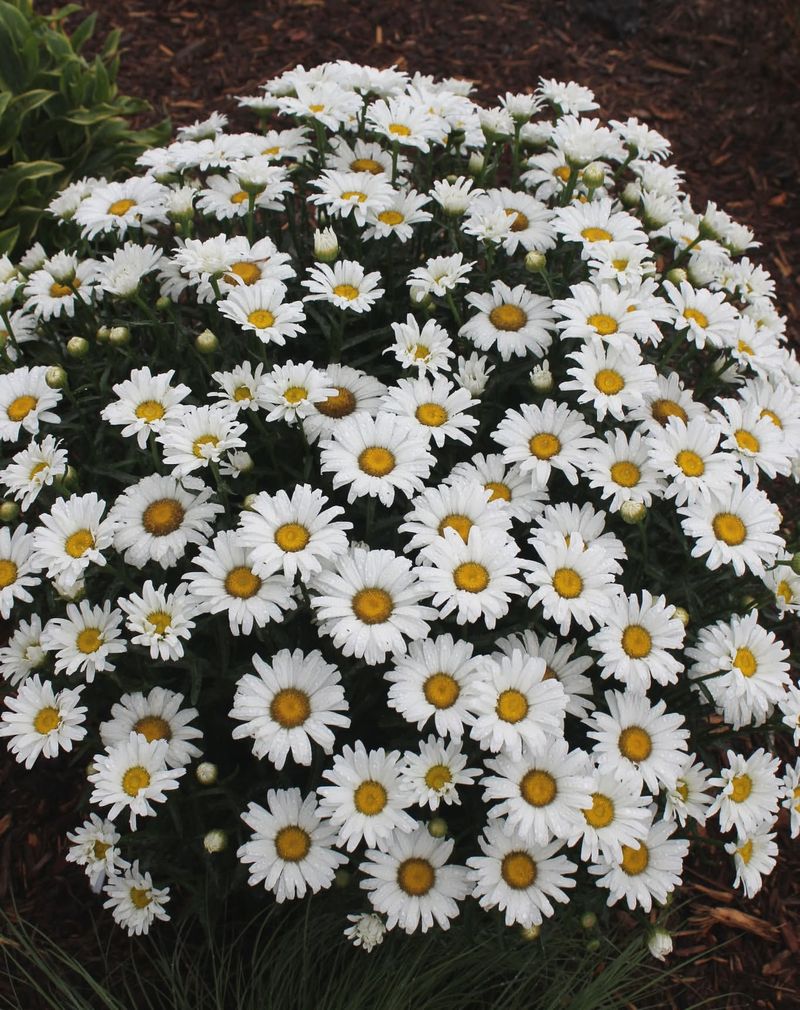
column 598, row 221
column 72, row 536
column 406, row 123
column 689, row 799
column 363, row 156
column 575, row 582
column 157, row 518
column 239, row 388
column 638, row 137
column 426, row 349
column 23, row 654
column 34, row 468
column 475, row 577
column 377, row 456
column 155, row 716
column 356, row 392
column 85, row 639
column 557, row 524
column 705, row 316
column 199, row 436
column 669, row 400
column 159, row 619
column 520, row 878
column 366, row 799
column 344, row 285
column 26, row 401
column 613, row 379
column 513, row 320
column 289, row 391
column 459, row 506
column 509, row 486
column 436, row 406
column 530, row 220
column 61, row 284
column 291, row 849
column 261, row 308
column 749, row 792
column 685, row 454
column 568, row 98
column 41, row 721
column 621, row 469
column 121, row 275
column 296, row 698
column 18, row 570
column 399, row 218
column 753, row 439
column 618, row 815
column 754, row 857
column 559, row 665
column 515, row 706
column 433, row 775
column 137, row 202
column 358, row 193
column 227, row 583
column 640, row 736
column 438, row 678
column 791, row 797
column 133, row 775
column 473, row 373
column 543, row 793
column 224, row 198
column 584, row 140
column 323, row 101
column 439, row 275
column 145, row 403
column 789, row 706
column 133, row 900
column 368, row 930
column 647, row 871
column 93, row 845
column 369, row 605
column 541, row 438
column 454, row 196
column 251, row 265
column 621, row 262
column 411, row 884
column 600, row 314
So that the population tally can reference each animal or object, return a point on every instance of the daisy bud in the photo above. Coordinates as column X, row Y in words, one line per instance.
column 676, row 276
column 594, row 175
column 437, row 827
column 630, row 196
column 119, row 336
column 535, row 262
column 72, row 593
column 476, row 163
column 421, row 298
column 215, row 841
column 77, row 347
column 249, row 502
column 588, row 921
column 91, row 768
column 9, row 510
column 206, row 773
column 541, row 378
column 102, row 334
column 206, row 342
column 326, row 245
column 55, row 377
column 163, row 303
column 659, row 943
column 531, row 932
column 69, row 481
column 342, row 878
column 633, row 512
column 593, row 946
column 683, row 616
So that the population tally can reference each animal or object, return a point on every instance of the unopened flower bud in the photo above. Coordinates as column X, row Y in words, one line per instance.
column 91, row 768
column 588, row 921
column 69, row 481
column 659, row 943
column 683, row 616
column 77, row 347
column 119, row 336
column 631, row 195
column 633, row 512
column 594, row 175
column 56, row 376
column 676, row 276
column 535, row 262
column 437, row 827
column 421, row 298
column 72, row 592
column 9, row 510
column 215, row 841
column 248, row 502
column 476, row 163
column 206, row 773
column 102, row 334
column 531, row 932
column 342, row 878
column 206, row 342
column 593, row 945
column 541, row 378
column 163, row 303
column 326, row 245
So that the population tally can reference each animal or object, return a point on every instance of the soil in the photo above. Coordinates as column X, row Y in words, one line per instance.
column 718, row 79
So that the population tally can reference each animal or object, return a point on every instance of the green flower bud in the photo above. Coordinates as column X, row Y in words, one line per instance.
column 56, row 376
column 102, row 334
column 342, row 878
column 206, row 342
column 633, row 512
column 119, row 336
column 206, row 773
column 437, row 827
column 535, row 262
column 630, row 196
column 215, row 841
column 77, row 347
column 676, row 276
column 163, row 303
column 531, row 932
column 683, row 616
column 9, row 510
column 588, row 921
column 594, row 175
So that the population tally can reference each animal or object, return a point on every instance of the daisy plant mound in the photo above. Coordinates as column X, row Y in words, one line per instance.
column 391, row 499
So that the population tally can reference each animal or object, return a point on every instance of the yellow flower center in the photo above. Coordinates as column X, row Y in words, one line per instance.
column 399, row 130
column 772, row 416
column 512, row 706
column 366, row 165
column 603, row 324
column 8, row 573
column 544, row 445
column 441, row 690
column 597, row 235
column 431, row 414
column 420, row 352
column 635, row 861
column 520, row 222
column 272, row 150
column 437, row 777
column 316, row 108
column 518, row 870
column 746, row 440
column 601, row 812
column 696, row 316
column 625, row 473
column 292, row 844
column 682, row 789
column 690, row 463
column 784, row 590
column 242, row 583
column 140, row 897
column 635, row 743
column 741, row 787
column 391, row 217
column 567, row 583
column 746, row 852
column 471, row 577
column 290, row 707
column 120, row 207
column 248, row 273
column 370, row 798
column 372, row 606
column 563, row 172
column 508, row 318
column 340, row 404
column 135, row 779
column 292, row 537
column 729, row 528
column 19, row 408
column 460, row 523
column 153, row 727
column 636, row 641
column 347, row 291
column 663, row 410
column 609, row 381
column 78, row 543
column 620, row 264
column 538, row 788
column 46, row 720
column 416, row 877
column 163, row 517
column 160, row 620
column 149, row 411
column 89, row 640
column 239, row 197
column 376, row 461
column 242, row 393
column 745, row 662
column 204, row 440
column 63, row 290
column 744, row 348
column 100, row 848
column 295, row 394
column 500, row 491
column 354, row 196
column 37, row 469
column 262, row 319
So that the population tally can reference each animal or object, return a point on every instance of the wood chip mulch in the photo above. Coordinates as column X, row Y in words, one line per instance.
column 718, row 78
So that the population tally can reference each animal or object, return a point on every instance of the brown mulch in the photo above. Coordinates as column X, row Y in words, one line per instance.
column 718, row 77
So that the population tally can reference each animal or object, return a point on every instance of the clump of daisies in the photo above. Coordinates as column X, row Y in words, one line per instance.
column 392, row 492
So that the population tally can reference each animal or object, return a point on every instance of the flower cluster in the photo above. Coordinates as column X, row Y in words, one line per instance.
column 403, row 458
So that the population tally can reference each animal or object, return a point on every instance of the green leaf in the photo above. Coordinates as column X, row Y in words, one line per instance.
column 13, row 178
column 88, row 117
column 8, row 239
column 83, row 32
column 18, row 49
